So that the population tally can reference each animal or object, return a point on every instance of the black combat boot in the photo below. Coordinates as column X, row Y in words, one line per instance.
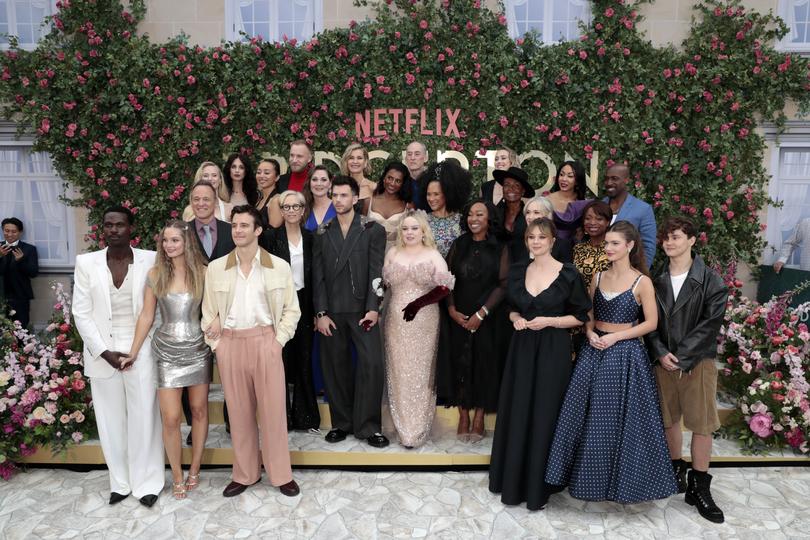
column 698, row 494
column 679, row 467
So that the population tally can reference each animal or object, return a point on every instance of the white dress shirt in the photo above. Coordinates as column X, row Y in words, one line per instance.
column 297, row 263
column 249, row 308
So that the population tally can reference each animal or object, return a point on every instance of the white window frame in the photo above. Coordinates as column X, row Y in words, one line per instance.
column 69, row 227
column 548, row 19
column 12, row 23
column 233, row 16
column 785, row 11
column 773, row 233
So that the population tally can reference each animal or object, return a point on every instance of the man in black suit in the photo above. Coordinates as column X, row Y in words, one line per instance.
column 216, row 241
column 18, row 264
column 346, row 272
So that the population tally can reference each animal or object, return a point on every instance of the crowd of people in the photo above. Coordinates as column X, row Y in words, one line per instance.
column 538, row 307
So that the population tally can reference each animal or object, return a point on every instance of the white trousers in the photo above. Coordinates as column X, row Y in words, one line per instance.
column 129, row 427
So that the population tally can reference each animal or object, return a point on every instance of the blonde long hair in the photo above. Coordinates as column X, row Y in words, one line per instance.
column 344, row 160
column 192, row 256
column 427, row 234
column 222, row 190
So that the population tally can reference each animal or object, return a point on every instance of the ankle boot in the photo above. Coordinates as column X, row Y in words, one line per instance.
column 679, row 468
column 699, row 495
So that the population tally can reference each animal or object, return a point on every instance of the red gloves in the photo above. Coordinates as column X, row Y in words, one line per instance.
column 410, row 311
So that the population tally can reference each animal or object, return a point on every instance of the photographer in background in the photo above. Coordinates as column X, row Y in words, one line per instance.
column 18, row 264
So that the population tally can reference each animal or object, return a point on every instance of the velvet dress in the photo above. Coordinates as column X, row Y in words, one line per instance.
column 538, row 367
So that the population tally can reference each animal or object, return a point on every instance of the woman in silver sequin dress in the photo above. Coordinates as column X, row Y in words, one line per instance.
column 418, row 278
column 175, row 284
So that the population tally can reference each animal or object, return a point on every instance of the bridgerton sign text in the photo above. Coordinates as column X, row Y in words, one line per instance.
column 129, row 120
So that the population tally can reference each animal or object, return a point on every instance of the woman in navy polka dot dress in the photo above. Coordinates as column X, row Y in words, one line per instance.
column 609, row 443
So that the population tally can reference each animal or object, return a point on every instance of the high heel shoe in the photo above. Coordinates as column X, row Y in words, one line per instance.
column 179, row 490
column 192, row 481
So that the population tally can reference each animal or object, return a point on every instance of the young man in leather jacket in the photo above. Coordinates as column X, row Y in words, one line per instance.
column 691, row 302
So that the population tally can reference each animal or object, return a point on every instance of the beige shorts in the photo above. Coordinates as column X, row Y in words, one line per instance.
column 691, row 396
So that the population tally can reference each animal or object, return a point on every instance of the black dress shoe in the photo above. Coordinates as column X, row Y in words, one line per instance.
column 335, row 436
column 290, row 489
column 149, row 500
column 378, row 440
column 116, row 498
column 235, row 488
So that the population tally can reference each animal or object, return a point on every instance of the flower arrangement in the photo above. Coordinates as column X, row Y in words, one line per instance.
column 765, row 349
column 44, row 396
column 129, row 120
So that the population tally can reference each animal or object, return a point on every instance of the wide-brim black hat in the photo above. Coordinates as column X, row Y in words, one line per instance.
column 515, row 174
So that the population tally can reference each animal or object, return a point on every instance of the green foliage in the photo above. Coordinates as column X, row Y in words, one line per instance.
column 129, row 120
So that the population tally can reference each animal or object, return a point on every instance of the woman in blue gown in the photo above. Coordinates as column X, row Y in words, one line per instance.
column 609, row 443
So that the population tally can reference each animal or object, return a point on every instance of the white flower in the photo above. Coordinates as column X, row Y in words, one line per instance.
column 12, row 390
column 39, row 413
column 5, row 376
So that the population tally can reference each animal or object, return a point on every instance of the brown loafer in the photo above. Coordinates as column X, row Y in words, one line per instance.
column 235, row 488
column 290, row 489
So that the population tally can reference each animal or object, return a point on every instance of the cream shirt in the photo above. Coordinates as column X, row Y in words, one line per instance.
column 297, row 263
column 249, row 308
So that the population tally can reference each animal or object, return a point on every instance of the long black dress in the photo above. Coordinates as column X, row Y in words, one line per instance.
column 538, row 368
column 475, row 360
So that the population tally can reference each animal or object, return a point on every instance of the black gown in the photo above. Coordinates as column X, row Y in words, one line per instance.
column 538, row 367
column 472, row 379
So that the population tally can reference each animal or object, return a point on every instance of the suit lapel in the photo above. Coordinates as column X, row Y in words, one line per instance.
column 139, row 269
column 103, row 279
column 355, row 231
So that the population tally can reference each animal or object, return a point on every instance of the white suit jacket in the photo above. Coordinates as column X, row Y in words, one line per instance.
column 91, row 308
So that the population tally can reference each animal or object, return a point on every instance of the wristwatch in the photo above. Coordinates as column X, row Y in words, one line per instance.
column 320, row 315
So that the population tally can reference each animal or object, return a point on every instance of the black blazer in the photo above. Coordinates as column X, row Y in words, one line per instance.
column 17, row 274
column 688, row 327
column 283, row 183
column 275, row 241
column 346, row 272
column 224, row 243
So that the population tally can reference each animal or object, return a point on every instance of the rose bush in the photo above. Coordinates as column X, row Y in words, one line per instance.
column 44, row 397
column 129, row 120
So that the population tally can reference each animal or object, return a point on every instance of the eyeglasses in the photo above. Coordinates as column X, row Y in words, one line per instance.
column 292, row 207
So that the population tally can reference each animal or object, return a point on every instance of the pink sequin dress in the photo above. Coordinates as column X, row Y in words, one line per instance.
column 410, row 349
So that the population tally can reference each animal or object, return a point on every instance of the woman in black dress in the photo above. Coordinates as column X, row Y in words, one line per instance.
column 293, row 243
column 480, row 264
column 547, row 298
column 267, row 173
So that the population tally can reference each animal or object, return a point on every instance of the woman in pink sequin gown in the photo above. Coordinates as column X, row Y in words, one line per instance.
column 418, row 278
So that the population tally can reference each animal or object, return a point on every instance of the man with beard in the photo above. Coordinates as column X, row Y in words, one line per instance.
column 300, row 163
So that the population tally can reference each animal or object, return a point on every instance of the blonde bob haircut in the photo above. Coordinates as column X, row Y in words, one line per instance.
column 427, row 234
column 222, row 190
column 162, row 272
column 545, row 205
column 299, row 198
column 344, row 160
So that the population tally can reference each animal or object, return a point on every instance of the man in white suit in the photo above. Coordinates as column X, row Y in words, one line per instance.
column 107, row 298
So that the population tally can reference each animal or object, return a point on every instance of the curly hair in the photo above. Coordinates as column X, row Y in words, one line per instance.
column 249, row 186
column 454, row 180
column 192, row 257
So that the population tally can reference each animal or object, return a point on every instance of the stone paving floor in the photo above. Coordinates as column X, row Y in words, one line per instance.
column 767, row 503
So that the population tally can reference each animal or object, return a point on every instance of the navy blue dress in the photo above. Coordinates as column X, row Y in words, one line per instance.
column 609, row 443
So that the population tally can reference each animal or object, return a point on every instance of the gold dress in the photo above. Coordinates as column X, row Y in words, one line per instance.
column 410, row 349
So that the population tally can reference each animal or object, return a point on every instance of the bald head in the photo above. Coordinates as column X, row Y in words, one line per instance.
column 616, row 178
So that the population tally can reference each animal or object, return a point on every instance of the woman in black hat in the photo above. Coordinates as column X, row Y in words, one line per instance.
column 515, row 183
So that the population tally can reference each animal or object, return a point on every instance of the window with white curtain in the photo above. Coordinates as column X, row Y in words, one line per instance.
column 792, row 188
column 554, row 20
column 796, row 14
column 273, row 19
column 30, row 190
column 24, row 18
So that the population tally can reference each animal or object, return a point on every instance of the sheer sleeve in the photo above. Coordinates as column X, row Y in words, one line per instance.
column 451, row 257
column 578, row 303
column 442, row 277
column 497, row 294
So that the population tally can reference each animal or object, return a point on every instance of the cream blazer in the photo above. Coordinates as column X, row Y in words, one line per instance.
column 279, row 290
column 92, row 311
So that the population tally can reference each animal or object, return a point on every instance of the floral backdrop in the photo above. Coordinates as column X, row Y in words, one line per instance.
column 126, row 119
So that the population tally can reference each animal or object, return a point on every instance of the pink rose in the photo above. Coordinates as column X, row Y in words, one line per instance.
column 760, row 424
